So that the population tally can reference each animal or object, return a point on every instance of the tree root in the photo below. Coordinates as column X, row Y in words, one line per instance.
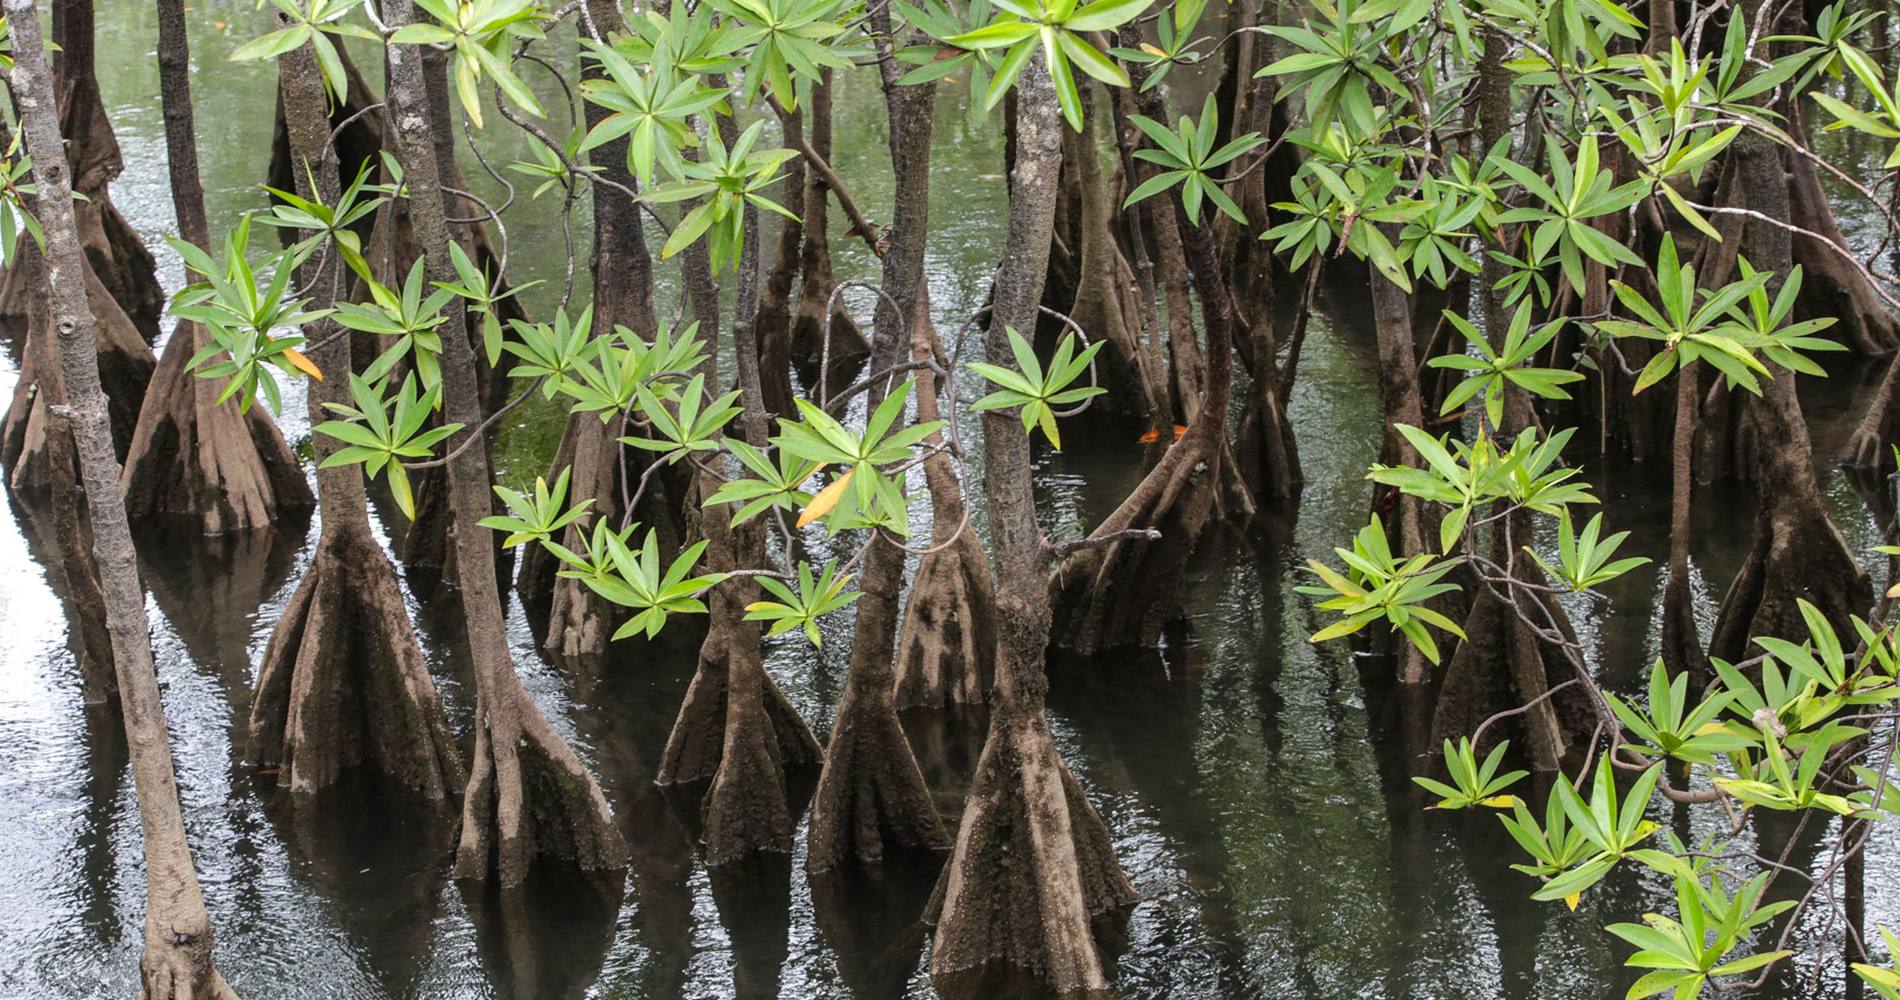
column 1872, row 444
column 193, row 456
column 1104, row 304
column 1122, row 593
column 1796, row 554
column 125, row 368
column 1831, row 286
column 529, row 794
column 1503, row 665
column 736, row 728
column 948, row 639
column 872, row 792
column 344, row 683
column 1032, row 867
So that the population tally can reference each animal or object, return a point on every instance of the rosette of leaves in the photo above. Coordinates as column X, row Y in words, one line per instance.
column 478, row 34
column 1037, row 391
column 239, row 316
column 1178, row 45
column 407, row 317
column 787, row 37
column 1187, row 157
column 314, row 24
column 802, row 608
column 652, row 104
column 1055, row 27
column 727, row 180
column 379, row 433
column 877, row 499
column 1493, row 369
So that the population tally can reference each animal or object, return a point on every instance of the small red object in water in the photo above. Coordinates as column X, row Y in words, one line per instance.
column 268, row 770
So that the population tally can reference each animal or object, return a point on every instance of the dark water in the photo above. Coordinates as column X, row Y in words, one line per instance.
column 1253, row 783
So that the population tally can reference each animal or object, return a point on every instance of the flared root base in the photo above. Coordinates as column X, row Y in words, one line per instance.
column 948, row 639
column 872, row 793
column 344, row 683
column 1032, row 866
column 530, row 795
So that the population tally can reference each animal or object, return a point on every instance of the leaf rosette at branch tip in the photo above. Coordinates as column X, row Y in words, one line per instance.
column 1037, row 391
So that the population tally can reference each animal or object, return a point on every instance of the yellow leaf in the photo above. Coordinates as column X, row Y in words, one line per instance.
column 1571, row 900
column 1501, row 801
column 1153, row 50
column 1894, row 591
column 1047, row 419
column 1709, row 728
column 302, row 364
column 826, row 499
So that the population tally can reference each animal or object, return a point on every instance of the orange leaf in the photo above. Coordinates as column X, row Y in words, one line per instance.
column 1178, row 431
column 302, row 364
column 826, row 499
column 1151, row 437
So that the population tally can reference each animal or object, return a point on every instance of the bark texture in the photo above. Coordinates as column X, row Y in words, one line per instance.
column 344, row 683
column 178, row 935
column 1032, row 863
column 1795, row 553
column 947, row 643
column 872, row 795
column 228, row 469
column 579, row 621
column 529, row 794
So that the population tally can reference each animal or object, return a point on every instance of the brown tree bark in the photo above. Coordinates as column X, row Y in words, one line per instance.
column 1104, row 304
column 1120, row 593
column 343, row 683
column 227, row 469
column 1796, row 553
column 178, row 935
column 848, row 346
column 125, row 268
column 871, row 794
column 1033, row 864
column 948, row 639
column 529, row 794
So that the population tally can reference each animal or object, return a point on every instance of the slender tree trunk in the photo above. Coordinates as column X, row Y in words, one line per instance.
column 178, row 937
column 579, row 620
column 228, row 469
column 1032, row 862
column 1796, row 553
column 529, row 793
column 343, row 681
column 848, row 346
column 872, row 793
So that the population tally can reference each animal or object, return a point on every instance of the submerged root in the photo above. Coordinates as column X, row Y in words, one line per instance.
column 748, row 809
column 193, row 456
column 1872, row 444
column 1796, row 554
column 344, row 683
column 1032, row 868
column 736, row 728
column 529, row 795
column 872, row 792
column 1504, row 665
column 948, row 638
column 1121, row 594
column 697, row 742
